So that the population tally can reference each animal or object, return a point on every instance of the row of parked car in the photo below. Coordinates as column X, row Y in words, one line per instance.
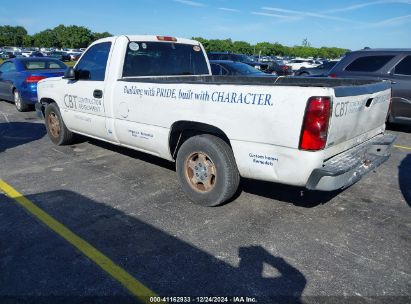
column 63, row 55
column 278, row 66
column 19, row 76
column 392, row 65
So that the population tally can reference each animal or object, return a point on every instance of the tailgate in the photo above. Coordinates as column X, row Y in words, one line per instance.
column 359, row 113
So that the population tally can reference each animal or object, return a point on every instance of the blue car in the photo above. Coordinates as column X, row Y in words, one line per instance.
column 19, row 78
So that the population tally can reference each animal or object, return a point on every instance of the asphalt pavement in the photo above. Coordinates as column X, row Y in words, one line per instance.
column 272, row 242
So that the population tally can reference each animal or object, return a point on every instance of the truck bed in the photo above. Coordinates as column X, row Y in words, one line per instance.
column 342, row 87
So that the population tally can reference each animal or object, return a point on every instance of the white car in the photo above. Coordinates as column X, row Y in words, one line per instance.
column 156, row 94
column 297, row 64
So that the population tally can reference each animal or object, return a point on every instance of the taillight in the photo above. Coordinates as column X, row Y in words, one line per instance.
column 284, row 68
column 33, row 79
column 166, row 38
column 333, row 75
column 315, row 125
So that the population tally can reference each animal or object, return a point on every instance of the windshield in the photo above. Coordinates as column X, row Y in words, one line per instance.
column 243, row 58
column 244, row 69
column 164, row 59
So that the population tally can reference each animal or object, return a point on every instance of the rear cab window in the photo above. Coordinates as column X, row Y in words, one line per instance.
column 369, row 63
column 151, row 58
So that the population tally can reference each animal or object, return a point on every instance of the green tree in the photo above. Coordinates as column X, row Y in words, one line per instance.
column 46, row 38
column 97, row 36
column 73, row 36
column 28, row 41
column 242, row 47
column 12, row 35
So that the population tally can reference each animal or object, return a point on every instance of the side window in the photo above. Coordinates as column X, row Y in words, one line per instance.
column 215, row 69
column 404, row 67
column 7, row 67
column 224, row 71
column 92, row 65
column 369, row 63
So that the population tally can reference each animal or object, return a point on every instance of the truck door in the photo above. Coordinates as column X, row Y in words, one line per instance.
column 83, row 107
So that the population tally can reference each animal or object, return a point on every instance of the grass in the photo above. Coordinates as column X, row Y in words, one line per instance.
column 67, row 63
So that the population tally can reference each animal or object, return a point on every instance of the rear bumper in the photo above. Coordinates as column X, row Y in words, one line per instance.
column 349, row 167
column 29, row 94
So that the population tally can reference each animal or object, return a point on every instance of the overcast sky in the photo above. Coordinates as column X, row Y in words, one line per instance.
column 351, row 24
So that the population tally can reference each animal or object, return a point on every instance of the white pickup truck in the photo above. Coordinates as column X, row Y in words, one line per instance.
column 156, row 94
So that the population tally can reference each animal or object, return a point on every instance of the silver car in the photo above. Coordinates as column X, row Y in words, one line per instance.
column 393, row 65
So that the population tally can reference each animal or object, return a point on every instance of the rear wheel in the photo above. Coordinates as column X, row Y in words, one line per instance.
column 56, row 129
column 20, row 105
column 207, row 170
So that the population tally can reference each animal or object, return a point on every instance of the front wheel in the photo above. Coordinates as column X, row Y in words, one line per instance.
column 56, row 129
column 20, row 105
column 207, row 171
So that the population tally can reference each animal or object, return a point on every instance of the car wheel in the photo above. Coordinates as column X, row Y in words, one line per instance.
column 56, row 129
column 207, row 171
column 303, row 74
column 20, row 105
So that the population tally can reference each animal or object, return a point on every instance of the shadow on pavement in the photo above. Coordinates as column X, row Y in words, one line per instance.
column 298, row 196
column 399, row 127
column 284, row 193
column 14, row 134
column 404, row 178
column 166, row 264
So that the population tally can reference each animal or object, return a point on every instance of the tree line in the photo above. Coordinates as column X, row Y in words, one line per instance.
column 72, row 36
column 270, row 49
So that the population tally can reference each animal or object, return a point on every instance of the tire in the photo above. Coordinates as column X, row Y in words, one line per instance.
column 18, row 102
column 303, row 74
column 207, row 171
column 56, row 129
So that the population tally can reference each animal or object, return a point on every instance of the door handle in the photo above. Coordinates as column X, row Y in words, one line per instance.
column 98, row 94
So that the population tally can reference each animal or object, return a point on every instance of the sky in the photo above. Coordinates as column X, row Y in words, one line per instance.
column 351, row 24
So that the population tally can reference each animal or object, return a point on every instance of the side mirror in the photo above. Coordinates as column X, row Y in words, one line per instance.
column 70, row 74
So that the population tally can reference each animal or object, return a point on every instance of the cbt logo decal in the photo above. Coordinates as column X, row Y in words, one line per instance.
column 341, row 109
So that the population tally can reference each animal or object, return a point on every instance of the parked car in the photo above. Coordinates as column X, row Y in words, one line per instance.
column 279, row 69
column 299, row 63
column 74, row 56
column 7, row 55
column 62, row 56
column 234, row 68
column 36, row 54
column 156, row 94
column 19, row 77
column 238, row 57
column 26, row 53
column 393, row 65
column 321, row 70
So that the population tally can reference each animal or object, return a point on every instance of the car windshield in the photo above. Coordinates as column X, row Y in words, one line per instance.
column 243, row 69
column 43, row 65
column 243, row 58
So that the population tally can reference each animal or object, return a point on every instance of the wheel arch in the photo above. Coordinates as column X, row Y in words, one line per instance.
column 182, row 130
column 44, row 102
